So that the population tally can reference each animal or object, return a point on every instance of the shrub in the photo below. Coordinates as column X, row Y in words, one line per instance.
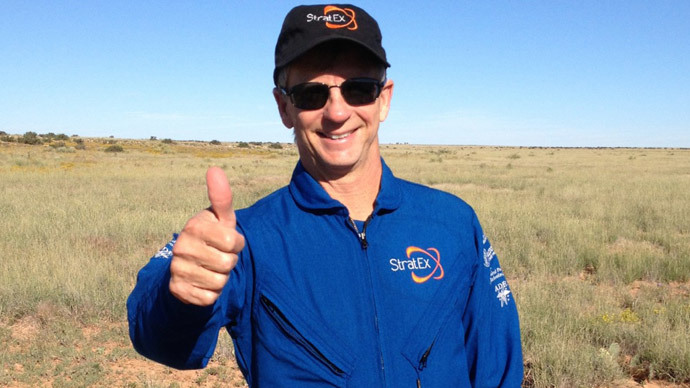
column 214, row 142
column 275, row 146
column 167, row 141
column 61, row 136
column 7, row 138
column 30, row 138
column 114, row 148
column 243, row 144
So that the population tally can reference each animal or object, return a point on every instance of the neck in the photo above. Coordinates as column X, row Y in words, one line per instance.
column 356, row 190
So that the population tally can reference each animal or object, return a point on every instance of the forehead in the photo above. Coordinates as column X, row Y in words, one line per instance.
column 343, row 59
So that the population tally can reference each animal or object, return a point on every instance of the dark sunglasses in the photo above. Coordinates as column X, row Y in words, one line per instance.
column 355, row 91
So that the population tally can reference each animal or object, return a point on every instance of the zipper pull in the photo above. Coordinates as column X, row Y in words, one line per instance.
column 425, row 356
column 363, row 238
column 363, row 234
column 422, row 365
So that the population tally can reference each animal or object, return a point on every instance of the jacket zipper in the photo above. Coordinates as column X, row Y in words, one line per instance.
column 290, row 330
column 363, row 234
column 365, row 244
column 422, row 365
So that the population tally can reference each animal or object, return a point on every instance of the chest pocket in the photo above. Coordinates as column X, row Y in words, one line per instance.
column 294, row 345
column 440, row 335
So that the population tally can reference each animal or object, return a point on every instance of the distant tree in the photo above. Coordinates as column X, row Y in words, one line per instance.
column 215, row 142
column 243, row 144
column 167, row 141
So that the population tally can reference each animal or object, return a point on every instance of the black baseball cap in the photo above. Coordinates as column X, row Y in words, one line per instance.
column 307, row 26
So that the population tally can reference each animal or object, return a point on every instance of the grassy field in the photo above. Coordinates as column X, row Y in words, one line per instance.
column 595, row 243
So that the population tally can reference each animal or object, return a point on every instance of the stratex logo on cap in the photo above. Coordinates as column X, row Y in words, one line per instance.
column 335, row 17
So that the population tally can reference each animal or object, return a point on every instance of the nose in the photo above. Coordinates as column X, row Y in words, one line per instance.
column 336, row 108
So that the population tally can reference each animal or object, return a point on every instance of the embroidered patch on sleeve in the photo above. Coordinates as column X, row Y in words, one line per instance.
column 496, row 277
column 166, row 252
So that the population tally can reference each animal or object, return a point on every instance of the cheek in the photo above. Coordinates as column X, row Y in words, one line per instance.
column 306, row 120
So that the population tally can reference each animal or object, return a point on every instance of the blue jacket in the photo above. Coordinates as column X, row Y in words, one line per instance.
column 413, row 296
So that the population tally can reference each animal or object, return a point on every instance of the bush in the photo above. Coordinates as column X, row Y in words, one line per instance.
column 214, row 142
column 243, row 144
column 275, row 146
column 30, row 138
column 114, row 148
column 7, row 138
column 167, row 141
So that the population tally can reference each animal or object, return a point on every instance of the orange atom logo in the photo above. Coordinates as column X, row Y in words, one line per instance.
column 351, row 24
column 437, row 259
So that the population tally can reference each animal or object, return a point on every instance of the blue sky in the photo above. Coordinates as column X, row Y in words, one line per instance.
column 520, row 73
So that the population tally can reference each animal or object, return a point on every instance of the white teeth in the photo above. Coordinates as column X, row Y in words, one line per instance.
column 336, row 137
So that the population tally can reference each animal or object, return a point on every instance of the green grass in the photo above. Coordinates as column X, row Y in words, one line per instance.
column 595, row 243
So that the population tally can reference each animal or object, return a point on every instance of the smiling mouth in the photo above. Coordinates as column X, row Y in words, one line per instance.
column 335, row 137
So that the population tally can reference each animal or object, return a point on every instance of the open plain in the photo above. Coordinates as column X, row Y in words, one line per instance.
column 595, row 244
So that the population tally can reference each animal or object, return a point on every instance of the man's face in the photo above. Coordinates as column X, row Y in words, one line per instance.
column 338, row 138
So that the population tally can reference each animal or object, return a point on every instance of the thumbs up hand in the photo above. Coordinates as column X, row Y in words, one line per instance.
column 206, row 249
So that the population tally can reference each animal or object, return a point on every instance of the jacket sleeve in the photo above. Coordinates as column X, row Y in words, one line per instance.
column 165, row 329
column 492, row 337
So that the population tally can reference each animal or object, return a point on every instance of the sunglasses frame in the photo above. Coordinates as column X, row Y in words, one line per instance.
column 378, row 83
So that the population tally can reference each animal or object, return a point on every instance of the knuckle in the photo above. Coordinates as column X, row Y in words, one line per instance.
column 227, row 262
column 239, row 243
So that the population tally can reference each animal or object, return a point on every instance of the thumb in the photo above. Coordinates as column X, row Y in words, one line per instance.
column 220, row 194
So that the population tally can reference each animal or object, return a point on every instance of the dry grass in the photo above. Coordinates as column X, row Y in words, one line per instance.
column 596, row 244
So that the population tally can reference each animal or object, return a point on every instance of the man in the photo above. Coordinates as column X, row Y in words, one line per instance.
column 348, row 276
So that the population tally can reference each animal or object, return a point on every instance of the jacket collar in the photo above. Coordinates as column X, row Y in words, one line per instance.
column 309, row 195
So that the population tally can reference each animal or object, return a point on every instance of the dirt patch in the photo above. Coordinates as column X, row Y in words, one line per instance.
column 25, row 329
column 141, row 371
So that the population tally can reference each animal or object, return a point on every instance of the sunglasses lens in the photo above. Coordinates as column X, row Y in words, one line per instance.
column 309, row 96
column 356, row 91
column 360, row 91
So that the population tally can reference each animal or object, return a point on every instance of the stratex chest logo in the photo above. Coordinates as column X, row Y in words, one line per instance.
column 335, row 17
column 423, row 264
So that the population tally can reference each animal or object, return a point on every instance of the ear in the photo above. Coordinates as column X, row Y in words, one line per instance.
column 385, row 100
column 283, row 105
